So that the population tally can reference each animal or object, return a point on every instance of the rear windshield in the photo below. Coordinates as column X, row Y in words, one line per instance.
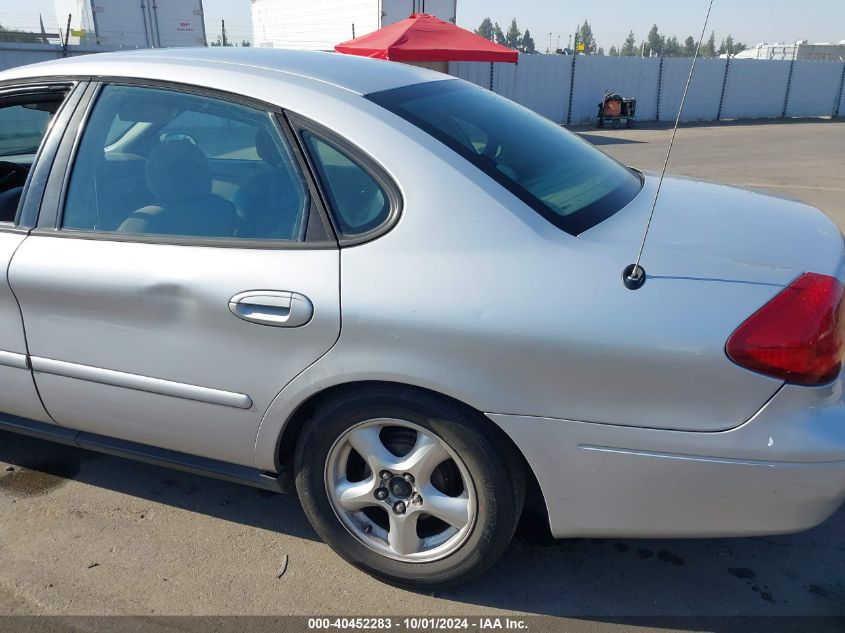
column 564, row 178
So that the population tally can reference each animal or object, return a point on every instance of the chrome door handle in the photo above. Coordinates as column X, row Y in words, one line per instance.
column 272, row 307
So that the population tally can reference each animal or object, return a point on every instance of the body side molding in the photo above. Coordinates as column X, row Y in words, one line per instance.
column 13, row 359
column 141, row 383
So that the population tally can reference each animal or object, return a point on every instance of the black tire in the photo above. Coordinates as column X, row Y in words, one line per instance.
column 497, row 473
column 617, row 124
column 630, row 123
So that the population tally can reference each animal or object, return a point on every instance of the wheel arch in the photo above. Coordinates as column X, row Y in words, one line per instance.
column 289, row 435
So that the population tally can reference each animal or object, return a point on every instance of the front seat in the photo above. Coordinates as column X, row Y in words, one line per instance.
column 178, row 175
column 269, row 204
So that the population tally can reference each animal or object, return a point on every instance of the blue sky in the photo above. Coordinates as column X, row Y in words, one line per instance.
column 749, row 21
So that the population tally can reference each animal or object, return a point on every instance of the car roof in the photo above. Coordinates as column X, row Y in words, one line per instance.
column 355, row 74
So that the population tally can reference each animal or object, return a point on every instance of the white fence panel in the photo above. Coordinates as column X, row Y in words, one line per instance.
column 627, row 76
column 705, row 90
column 475, row 72
column 539, row 82
column 13, row 54
column 814, row 88
column 756, row 89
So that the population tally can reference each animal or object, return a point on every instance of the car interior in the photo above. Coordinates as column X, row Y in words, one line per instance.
column 24, row 121
column 156, row 162
column 178, row 164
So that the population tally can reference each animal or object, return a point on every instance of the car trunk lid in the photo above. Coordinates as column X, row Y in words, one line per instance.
column 710, row 231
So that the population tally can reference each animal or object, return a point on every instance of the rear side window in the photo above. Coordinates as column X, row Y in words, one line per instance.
column 564, row 178
column 358, row 201
column 156, row 162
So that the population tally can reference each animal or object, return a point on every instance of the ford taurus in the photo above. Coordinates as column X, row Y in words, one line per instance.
column 401, row 294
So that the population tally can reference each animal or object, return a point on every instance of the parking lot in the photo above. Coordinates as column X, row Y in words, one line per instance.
column 87, row 534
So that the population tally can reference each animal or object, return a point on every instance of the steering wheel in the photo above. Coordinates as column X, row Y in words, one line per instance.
column 15, row 176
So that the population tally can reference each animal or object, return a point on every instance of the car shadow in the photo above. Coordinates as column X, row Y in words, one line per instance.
column 663, row 583
column 697, row 584
column 41, row 465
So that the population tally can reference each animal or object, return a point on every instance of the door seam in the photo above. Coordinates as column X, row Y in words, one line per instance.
column 23, row 329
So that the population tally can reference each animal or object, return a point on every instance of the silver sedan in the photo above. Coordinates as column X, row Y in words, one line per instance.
column 402, row 294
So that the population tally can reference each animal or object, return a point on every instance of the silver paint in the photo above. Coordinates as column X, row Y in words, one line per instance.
column 18, row 395
column 161, row 311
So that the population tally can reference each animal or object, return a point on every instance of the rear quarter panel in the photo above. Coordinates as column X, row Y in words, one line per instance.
column 474, row 295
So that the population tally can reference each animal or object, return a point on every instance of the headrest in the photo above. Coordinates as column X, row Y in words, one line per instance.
column 178, row 170
column 267, row 149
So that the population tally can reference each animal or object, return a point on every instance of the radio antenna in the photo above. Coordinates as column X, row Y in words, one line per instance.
column 634, row 275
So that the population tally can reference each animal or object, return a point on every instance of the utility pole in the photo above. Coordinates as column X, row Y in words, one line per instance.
column 353, row 30
column 549, row 49
column 67, row 37
column 223, row 28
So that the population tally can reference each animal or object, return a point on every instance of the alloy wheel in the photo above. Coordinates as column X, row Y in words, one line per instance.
column 400, row 490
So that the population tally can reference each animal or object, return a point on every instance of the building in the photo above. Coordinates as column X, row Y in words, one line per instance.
column 133, row 23
column 801, row 50
column 320, row 24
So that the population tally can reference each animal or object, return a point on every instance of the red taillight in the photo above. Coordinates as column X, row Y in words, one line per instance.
column 797, row 336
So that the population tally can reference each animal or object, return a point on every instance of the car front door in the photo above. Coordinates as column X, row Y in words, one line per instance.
column 167, row 297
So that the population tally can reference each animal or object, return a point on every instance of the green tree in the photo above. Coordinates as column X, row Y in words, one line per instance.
column 689, row 47
column 527, row 45
column 485, row 29
column 672, row 47
column 708, row 49
column 600, row 51
column 613, row 52
column 653, row 43
column 514, row 36
column 585, row 37
column 16, row 35
column 630, row 46
column 499, row 35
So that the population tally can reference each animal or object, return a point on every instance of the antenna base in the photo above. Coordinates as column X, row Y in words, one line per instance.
column 633, row 276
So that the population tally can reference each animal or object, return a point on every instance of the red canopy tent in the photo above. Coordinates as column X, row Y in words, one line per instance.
column 426, row 38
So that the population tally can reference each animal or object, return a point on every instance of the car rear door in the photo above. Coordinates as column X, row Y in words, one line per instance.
column 33, row 118
column 171, row 309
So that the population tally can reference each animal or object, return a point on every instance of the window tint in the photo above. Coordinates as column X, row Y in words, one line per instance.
column 22, row 127
column 569, row 182
column 358, row 202
column 158, row 162
column 219, row 137
column 24, row 121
